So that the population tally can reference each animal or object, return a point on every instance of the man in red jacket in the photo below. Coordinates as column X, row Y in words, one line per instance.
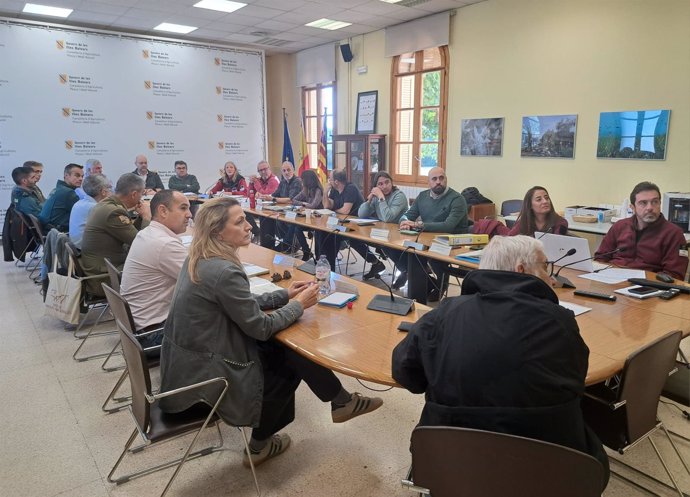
column 646, row 240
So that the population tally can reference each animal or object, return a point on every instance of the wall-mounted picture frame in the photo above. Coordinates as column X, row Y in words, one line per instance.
column 482, row 137
column 366, row 112
column 636, row 134
column 549, row 136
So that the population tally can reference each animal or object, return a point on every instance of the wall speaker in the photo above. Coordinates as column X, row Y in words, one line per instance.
column 346, row 52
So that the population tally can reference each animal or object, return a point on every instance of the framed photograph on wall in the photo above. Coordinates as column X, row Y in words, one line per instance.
column 366, row 112
column 548, row 136
column 483, row 137
column 636, row 134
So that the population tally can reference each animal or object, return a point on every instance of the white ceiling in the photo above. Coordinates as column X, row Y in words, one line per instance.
column 277, row 26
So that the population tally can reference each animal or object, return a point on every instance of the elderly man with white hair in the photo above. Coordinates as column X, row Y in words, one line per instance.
column 504, row 356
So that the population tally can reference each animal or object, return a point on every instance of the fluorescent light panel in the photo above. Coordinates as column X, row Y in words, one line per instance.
column 220, row 5
column 175, row 28
column 46, row 10
column 329, row 24
column 391, row 1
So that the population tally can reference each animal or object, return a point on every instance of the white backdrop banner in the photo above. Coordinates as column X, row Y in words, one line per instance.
column 72, row 96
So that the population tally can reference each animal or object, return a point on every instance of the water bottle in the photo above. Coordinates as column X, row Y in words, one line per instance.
column 323, row 276
column 600, row 217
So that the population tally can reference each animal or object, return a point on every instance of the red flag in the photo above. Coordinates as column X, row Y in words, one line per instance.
column 322, row 169
column 303, row 152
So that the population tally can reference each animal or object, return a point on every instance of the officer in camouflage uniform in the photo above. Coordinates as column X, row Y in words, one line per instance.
column 110, row 229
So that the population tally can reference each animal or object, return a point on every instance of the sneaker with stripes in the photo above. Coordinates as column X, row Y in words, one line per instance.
column 357, row 406
column 278, row 444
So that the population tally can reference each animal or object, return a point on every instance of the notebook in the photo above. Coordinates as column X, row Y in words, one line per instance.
column 555, row 246
column 338, row 299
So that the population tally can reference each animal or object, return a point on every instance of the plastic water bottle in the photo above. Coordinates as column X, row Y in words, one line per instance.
column 323, row 276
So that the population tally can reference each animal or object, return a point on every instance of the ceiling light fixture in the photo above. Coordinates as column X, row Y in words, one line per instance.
column 220, row 5
column 391, row 1
column 175, row 28
column 46, row 10
column 329, row 24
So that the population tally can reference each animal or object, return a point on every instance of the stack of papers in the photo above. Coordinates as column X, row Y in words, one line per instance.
column 338, row 299
column 259, row 286
column 577, row 309
column 254, row 270
column 362, row 222
column 473, row 256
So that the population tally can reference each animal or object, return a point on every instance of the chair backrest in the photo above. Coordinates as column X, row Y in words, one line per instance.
column 73, row 252
column 38, row 228
column 26, row 223
column 643, row 377
column 452, row 461
column 137, row 366
column 115, row 275
column 509, row 207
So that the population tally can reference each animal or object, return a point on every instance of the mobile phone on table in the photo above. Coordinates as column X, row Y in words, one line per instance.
column 643, row 290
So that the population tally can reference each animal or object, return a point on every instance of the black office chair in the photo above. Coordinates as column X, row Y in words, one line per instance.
column 624, row 414
column 509, row 207
column 450, row 461
column 152, row 424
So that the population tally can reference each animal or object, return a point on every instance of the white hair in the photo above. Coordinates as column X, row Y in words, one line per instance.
column 505, row 253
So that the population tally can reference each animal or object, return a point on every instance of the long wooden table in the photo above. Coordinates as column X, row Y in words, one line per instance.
column 359, row 342
column 417, row 275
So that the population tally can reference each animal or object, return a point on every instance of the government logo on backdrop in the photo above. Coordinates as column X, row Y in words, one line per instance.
column 60, row 44
column 69, row 144
column 66, row 112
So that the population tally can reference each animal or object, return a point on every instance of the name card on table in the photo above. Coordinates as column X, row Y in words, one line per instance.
column 439, row 248
column 332, row 222
column 259, row 207
column 290, row 215
column 380, row 233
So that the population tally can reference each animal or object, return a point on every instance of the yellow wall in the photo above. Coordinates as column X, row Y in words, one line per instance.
column 281, row 92
column 510, row 58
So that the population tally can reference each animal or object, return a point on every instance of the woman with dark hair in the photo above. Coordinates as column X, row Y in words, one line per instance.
column 385, row 202
column 538, row 214
column 230, row 181
column 311, row 197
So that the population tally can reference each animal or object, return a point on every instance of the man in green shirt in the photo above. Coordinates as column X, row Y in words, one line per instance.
column 56, row 210
column 440, row 209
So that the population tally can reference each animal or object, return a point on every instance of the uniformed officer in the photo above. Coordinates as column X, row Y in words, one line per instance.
column 110, row 229
column 24, row 196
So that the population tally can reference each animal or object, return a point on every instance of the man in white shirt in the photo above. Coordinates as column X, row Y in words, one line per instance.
column 154, row 262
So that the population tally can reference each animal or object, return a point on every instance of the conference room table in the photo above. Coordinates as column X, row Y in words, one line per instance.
column 359, row 342
column 418, row 281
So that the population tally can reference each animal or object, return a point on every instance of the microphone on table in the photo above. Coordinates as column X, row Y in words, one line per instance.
column 550, row 230
column 390, row 303
column 416, row 245
column 565, row 282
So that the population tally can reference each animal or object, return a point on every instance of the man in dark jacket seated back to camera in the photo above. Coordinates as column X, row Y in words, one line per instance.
column 503, row 356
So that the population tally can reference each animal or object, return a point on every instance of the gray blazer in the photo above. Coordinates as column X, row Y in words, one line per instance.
column 211, row 331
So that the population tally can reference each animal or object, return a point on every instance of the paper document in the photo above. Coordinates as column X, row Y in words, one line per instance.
column 614, row 275
column 338, row 299
column 362, row 221
column 254, row 270
column 577, row 309
column 259, row 286
column 626, row 291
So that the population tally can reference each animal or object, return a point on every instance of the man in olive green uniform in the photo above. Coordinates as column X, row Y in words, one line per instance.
column 24, row 197
column 110, row 230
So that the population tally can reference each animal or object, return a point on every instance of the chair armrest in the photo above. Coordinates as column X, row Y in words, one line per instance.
column 612, row 405
column 146, row 333
column 160, row 395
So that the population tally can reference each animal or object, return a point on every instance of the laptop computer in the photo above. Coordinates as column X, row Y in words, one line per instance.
column 555, row 246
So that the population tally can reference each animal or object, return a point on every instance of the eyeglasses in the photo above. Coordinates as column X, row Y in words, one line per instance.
column 286, row 170
column 265, row 169
column 549, row 267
